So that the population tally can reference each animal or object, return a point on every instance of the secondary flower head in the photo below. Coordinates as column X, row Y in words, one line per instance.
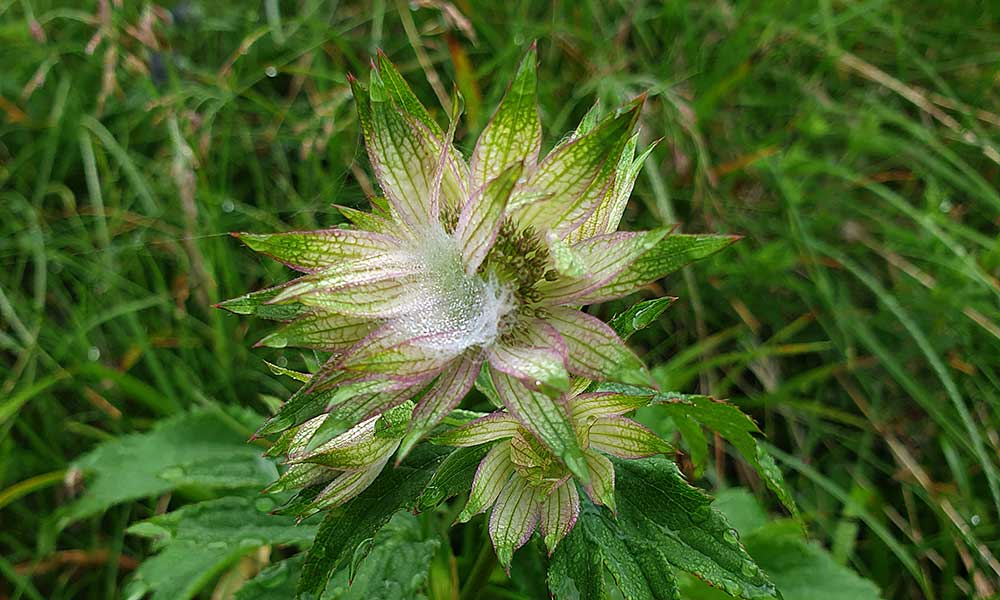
column 467, row 268
column 527, row 486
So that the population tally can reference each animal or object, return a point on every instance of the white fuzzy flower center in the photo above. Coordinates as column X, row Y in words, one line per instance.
column 450, row 310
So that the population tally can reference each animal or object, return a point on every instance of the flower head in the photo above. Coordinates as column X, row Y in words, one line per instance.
column 467, row 268
column 526, row 486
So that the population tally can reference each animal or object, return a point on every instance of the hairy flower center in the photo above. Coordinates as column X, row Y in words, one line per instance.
column 450, row 309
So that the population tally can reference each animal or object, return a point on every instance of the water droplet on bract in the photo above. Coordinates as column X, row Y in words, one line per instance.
column 731, row 537
column 172, row 473
column 975, row 520
column 228, row 206
column 749, row 569
column 431, row 497
column 270, row 71
column 945, row 206
column 277, row 341
column 282, row 362
column 93, row 353
column 538, row 383
column 264, row 504
column 700, row 514
column 731, row 588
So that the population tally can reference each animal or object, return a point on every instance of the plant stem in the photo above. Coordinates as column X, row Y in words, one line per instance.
column 482, row 569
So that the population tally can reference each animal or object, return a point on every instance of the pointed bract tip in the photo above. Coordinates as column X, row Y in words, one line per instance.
column 351, row 78
column 236, row 234
column 533, row 46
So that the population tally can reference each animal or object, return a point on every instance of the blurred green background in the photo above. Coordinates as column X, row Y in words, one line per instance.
column 855, row 145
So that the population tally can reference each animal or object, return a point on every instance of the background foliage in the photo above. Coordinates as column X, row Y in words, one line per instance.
column 853, row 144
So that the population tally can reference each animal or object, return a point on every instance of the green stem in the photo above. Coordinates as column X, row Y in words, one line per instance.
column 481, row 571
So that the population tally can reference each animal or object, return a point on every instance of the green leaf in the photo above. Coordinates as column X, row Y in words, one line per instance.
column 639, row 316
column 802, row 570
column 589, row 120
column 395, row 568
column 514, row 134
column 357, row 448
column 276, row 582
column 453, row 477
column 299, row 408
column 594, row 559
column 367, row 221
column 660, row 512
column 205, row 448
column 256, row 304
column 197, row 542
column 737, row 428
column 668, row 255
column 344, row 529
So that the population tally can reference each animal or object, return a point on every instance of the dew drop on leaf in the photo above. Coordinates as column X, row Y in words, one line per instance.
column 750, row 569
column 700, row 514
column 172, row 473
column 732, row 537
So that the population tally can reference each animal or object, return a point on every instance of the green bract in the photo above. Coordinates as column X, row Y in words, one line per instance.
column 527, row 486
column 465, row 270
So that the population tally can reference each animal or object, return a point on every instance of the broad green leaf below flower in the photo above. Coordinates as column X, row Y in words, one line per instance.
column 205, row 448
column 196, row 541
column 663, row 526
column 343, row 530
